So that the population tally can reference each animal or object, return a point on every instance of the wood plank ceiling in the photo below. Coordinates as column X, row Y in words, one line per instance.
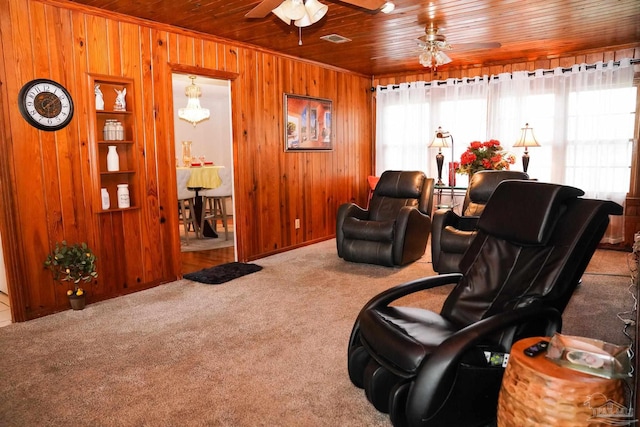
column 385, row 44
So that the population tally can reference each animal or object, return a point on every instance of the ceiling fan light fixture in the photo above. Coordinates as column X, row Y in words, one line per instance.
column 433, row 44
column 441, row 58
column 388, row 7
column 293, row 9
column 315, row 10
column 426, row 59
column 300, row 13
column 280, row 13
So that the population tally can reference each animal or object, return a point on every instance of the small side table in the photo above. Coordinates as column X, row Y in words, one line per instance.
column 537, row 392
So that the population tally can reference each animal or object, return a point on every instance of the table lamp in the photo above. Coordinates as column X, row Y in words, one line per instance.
column 440, row 140
column 526, row 140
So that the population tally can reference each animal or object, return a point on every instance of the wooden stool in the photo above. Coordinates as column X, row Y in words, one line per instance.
column 537, row 392
column 214, row 209
column 187, row 217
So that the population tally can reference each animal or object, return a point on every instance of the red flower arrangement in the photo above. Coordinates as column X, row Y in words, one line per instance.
column 484, row 155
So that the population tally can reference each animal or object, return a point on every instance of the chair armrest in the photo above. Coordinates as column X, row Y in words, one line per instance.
column 467, row 223
column 412, row 230
column 347, row 210
column 438, row 371
column 392, row 294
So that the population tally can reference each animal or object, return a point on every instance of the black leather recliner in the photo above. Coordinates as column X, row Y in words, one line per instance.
column 395, row 228
column 533, row 244
column 451, row 234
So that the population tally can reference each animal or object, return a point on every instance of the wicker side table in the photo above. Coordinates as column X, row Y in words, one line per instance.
column 537, row 392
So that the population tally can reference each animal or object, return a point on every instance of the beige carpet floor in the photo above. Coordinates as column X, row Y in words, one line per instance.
column 267, row 349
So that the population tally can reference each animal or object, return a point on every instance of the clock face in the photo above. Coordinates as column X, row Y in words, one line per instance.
column 45, row 104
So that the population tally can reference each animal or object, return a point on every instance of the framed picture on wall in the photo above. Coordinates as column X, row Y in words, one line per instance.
column 307, row 123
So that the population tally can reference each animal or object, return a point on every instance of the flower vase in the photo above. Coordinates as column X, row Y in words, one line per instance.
column 186, row 153
column 77, row 301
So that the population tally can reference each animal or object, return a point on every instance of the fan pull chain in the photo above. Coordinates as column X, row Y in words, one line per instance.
column 299, row 36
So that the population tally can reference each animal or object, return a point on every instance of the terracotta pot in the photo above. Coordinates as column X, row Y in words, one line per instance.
column 77, row 302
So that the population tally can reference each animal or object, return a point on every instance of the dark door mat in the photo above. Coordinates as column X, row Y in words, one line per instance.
column 222, row 273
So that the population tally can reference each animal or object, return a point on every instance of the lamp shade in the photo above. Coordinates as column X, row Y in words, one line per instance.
column 527, row 139
column 440, row 139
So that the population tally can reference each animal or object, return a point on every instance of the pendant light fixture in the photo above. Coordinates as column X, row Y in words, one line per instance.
column 193, row 112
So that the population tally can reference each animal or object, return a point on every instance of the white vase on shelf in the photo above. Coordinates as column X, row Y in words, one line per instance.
column 113, row 160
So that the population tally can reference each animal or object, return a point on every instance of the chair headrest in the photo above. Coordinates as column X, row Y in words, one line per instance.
column 484, row 182
column 526, row 211
column 400, row 184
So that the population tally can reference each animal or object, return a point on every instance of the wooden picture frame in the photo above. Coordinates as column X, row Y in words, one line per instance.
column 307, row 123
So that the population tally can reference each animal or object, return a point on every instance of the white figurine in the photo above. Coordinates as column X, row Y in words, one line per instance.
column 121, row 104
column 99, row 98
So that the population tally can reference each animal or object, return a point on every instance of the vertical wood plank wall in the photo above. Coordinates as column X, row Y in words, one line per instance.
column 46, row 184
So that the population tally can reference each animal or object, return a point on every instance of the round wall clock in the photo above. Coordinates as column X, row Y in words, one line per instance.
column 45, row 104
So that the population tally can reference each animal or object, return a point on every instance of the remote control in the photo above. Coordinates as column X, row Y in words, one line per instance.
column 536, row 349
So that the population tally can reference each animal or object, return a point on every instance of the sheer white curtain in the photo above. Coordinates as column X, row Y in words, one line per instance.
column 402, row 127
column 408, row 115
column 582, row 117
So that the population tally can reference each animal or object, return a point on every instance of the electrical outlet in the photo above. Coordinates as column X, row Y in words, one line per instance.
column 297, row 223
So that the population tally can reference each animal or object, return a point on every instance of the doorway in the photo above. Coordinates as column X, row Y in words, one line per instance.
column 211, row 147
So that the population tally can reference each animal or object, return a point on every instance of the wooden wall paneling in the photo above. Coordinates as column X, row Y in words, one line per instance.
column 221, row 57
column 79, row 35
column 153, row 234
column 269, row 147
column 115, row 41
column 329, row 81
column 210, row 54
column 29, row 172
column 246, row 158
column 160, row 117
column 9, row 218
column 98, row 50
column 314, row 197
column 134, row 226
column 289, row 160
column 198, row 53
column 139, row 248
column 270, row 166
column 54, row 165
column 14, row 266
column 297, row 169
column 184, row 52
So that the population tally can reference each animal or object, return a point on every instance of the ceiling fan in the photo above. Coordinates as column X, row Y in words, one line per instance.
column 433, row 45
column 266, row 6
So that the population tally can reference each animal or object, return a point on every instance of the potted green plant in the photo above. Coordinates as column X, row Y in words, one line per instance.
column 73, row 263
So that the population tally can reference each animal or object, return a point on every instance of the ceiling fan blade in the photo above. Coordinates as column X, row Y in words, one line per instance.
column 475, row 46
column 263, row 9
column 366, row 4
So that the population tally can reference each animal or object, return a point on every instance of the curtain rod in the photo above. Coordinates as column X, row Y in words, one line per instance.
column 529, row 74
